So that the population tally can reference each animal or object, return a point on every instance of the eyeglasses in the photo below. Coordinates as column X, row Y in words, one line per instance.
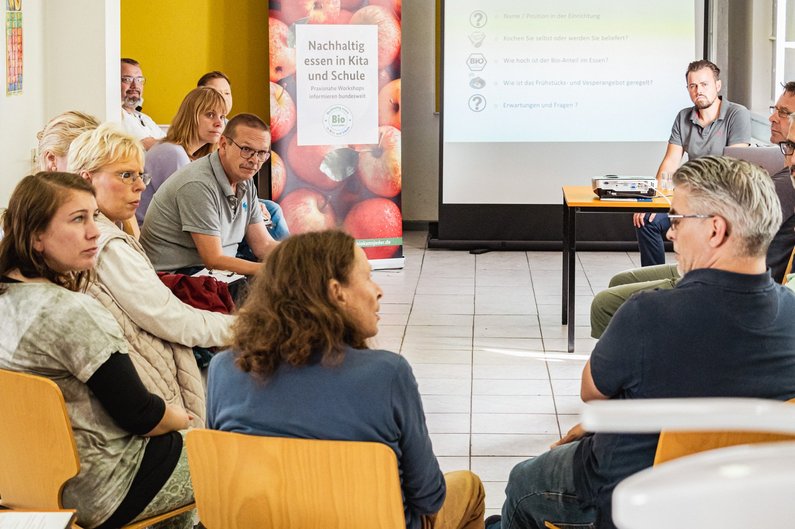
column 128, row 79
column 130, row 177
column 787, row 147
column 248, row 152
column 676, row 218
column 782, row 112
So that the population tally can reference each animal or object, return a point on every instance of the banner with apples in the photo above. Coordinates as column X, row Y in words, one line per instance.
column 335, row 119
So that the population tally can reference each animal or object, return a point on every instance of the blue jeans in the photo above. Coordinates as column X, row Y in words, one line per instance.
column 651, row 238
column 278, row 230
column 542, row 489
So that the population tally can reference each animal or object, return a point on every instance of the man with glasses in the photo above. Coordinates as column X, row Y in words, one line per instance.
column 788, row 147
column 135, row 122
column 202, row 212
column 725, row 331
column 625, row 284
column 710, row 125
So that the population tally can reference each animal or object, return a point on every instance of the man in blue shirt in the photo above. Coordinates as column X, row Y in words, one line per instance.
column 725, row 330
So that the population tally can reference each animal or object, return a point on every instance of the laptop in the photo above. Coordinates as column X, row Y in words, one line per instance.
column 770, row 158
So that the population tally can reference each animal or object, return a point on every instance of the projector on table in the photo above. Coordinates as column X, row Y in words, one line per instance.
column 614, row 186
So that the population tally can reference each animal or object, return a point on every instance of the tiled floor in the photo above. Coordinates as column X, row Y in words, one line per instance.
column 484, row 338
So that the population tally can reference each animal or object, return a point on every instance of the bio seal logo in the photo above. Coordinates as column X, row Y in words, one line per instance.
column 338, row 120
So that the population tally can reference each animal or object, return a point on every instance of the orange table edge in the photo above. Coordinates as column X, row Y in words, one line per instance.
column 582, row 199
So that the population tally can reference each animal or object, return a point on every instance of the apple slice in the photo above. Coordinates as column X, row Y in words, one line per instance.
column 323, row 166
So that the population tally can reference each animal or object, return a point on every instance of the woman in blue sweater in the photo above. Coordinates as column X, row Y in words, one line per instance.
column 303, row 330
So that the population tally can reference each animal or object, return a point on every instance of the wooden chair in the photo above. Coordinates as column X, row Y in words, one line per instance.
column 673, row 445
column 788, row 270
column 38, row 454
column 724, row 486
column 255, row 482
column 130, row 227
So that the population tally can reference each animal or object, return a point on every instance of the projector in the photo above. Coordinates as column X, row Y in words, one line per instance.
column 614, row 186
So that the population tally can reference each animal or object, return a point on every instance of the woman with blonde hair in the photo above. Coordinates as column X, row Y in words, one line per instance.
column 160, row 330
column 194, row 132
column 58, row 134
column 132, row 461
column 301, row 368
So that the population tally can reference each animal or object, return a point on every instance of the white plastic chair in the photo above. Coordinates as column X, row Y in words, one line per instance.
column 728, row 488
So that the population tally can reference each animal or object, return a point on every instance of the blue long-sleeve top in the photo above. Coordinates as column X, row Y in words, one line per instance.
column 370, row 396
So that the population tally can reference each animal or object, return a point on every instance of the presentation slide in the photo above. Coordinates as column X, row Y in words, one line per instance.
column 542, row 94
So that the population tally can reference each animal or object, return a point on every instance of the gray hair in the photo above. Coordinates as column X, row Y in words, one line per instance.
column 741, row 192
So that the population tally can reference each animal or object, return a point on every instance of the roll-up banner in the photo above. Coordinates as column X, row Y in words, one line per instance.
column 335, row 120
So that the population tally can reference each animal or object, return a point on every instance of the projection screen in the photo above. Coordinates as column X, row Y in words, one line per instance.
column 537, row 95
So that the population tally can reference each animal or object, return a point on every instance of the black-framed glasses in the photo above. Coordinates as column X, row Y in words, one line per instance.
column 248, row 152
column 787, row 147
column 782, row 112
column 128, row 79
column 676, row 218
column 130, row 177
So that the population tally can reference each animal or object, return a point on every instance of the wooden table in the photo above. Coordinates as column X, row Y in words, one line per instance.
column 581, row 199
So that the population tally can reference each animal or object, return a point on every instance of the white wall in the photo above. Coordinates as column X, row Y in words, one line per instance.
column 71, row 62
column 22, row 115
column 420, row 127
column 89, row 56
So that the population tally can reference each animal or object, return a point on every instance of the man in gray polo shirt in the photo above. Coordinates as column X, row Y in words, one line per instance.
column 709, row 126
column 625, row 284
column 203, row 211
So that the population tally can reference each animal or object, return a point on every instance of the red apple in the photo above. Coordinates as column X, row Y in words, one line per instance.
column 282, row 57
column 396, row 6
column 323, row 166
column 388, row 32
column 316, row 11
column 375, row 218
column 282, row 112
column 344, row 17
column 389, row 104
column 278, row 176
column 385, row 76
column 379, row 165
column 351, row 4
column 307, row 210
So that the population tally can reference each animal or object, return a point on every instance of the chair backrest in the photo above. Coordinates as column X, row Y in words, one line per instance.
column 788, row 270
column 254, row 482
column 673, row 445
column 37, row 448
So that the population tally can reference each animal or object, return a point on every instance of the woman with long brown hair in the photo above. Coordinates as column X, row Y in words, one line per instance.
column 301, row 367
column 132, row 464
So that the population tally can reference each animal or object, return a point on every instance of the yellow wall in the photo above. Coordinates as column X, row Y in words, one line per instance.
column 176, row 41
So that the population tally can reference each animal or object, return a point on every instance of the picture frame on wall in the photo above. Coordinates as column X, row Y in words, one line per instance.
column 14, row 48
